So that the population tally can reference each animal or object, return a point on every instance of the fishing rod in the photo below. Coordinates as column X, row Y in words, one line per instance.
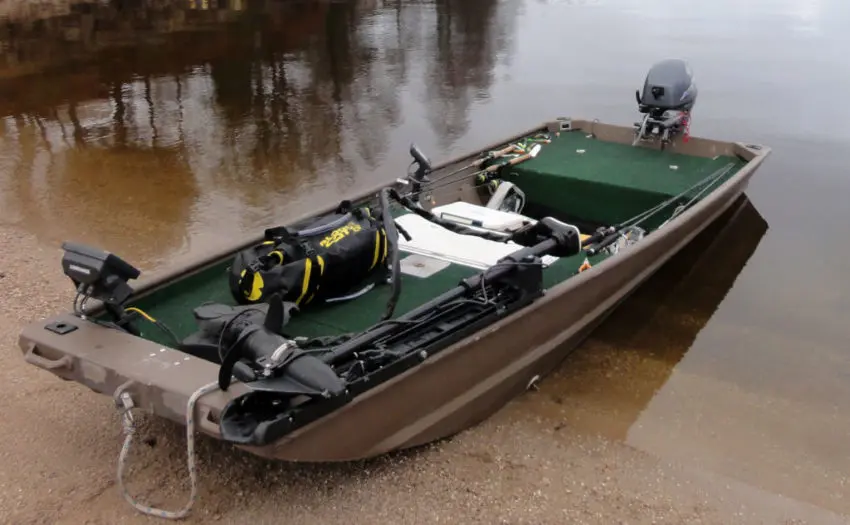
column 489, row 169
column 608, row 236
column 520, row 147
column 682, row 207
column 510, row 148
column 423, row 167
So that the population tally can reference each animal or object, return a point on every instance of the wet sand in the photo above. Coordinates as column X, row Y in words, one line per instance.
column 718, row 393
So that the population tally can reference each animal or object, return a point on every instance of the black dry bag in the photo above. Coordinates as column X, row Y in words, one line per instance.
column 328, row 257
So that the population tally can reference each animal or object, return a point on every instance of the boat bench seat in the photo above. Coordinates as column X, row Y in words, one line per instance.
column 435, row 241
column 604, row 182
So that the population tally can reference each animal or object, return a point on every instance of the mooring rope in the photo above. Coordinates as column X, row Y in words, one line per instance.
column 125, row 405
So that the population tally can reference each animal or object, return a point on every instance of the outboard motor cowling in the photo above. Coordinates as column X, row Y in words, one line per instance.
column 669, row 94
column 668, row 85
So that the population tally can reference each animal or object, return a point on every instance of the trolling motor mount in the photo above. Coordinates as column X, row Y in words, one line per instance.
column 669, row 94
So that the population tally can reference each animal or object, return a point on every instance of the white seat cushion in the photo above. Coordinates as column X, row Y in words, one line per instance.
column 435, row 241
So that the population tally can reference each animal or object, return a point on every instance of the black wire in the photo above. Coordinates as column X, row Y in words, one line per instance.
column 227, row 326
column 226, row 364
column 162, row 326
column 165, row 329
column 76, row 305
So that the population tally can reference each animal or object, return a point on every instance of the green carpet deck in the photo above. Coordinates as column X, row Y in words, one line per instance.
column 173, row 304
column 607, row 183
column 585, row 178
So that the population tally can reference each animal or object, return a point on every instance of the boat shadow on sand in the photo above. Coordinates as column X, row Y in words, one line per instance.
column 654, row 327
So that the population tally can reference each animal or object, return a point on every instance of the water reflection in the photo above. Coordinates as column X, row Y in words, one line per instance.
column 607, row 384
column 186, row 122
column 465, row 60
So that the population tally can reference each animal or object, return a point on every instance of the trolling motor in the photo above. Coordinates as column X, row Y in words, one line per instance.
column 669, row 95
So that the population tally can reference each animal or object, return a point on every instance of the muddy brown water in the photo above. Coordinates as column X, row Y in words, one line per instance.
column 161, row 130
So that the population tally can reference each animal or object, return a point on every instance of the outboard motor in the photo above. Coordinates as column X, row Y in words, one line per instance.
column 669, row 95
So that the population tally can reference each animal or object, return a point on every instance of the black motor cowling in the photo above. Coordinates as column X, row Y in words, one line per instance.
column 669, row 85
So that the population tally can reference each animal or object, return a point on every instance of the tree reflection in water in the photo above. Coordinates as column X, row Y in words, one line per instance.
column 189, row 119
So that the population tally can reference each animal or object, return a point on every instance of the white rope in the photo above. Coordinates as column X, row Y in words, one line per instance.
column 126, row 406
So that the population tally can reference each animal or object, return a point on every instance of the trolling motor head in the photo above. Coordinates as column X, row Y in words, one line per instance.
column 668, row 96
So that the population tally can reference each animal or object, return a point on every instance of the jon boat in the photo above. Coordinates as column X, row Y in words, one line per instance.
column 412, row 310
